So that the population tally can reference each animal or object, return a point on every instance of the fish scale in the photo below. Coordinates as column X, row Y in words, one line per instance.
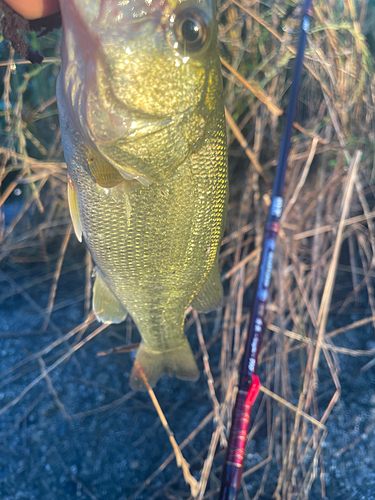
column 152, row 222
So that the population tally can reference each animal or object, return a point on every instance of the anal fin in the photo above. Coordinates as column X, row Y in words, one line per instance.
column 73, row 209
column 154, row 364
column 107, row 308
column 210, row 296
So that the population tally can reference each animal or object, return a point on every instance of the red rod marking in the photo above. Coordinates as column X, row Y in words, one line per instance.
column 241, row 420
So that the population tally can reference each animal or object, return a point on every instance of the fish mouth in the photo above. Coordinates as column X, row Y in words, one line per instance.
column 114, row 15
column 116, row 126
column 88, row 28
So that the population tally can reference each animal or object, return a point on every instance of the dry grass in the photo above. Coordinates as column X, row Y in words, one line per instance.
column 329, row 203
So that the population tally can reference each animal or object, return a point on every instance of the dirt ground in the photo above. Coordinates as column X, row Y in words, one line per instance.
column 111, row 439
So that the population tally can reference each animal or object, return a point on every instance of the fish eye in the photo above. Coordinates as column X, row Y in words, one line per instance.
column 191, row 29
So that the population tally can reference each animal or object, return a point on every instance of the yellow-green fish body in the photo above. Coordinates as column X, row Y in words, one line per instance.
column 142, row 123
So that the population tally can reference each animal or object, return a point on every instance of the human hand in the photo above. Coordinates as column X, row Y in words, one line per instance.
column 34, row 9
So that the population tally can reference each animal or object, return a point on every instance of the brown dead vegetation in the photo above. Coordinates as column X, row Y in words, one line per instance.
column 329, row 202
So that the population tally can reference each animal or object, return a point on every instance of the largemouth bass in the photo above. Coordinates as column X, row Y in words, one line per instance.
column 143, row 131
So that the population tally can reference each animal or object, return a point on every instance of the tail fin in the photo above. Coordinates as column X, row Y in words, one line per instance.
column 154, row 364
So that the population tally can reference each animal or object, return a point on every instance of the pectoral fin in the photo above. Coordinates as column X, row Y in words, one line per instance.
column 210, row 295
column 73, row 208
column 107, row 308
column 154, row 364
column 107, row 176
column 104, row 174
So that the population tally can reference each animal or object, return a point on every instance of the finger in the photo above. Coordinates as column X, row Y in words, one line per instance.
column 34, row 9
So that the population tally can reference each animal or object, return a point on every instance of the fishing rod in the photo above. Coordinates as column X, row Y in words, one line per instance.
column 249, row 385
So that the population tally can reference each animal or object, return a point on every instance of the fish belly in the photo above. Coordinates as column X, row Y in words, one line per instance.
column 156, row 246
